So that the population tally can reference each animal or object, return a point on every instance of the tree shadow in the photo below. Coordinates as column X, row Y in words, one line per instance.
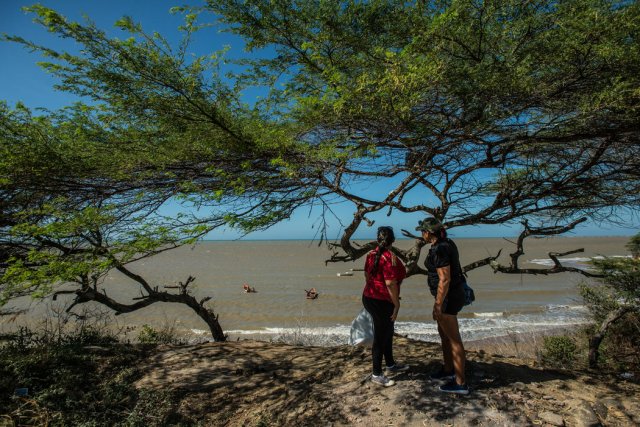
column 275, row 383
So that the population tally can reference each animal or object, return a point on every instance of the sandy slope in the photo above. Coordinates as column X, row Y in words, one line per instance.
column 259, row 383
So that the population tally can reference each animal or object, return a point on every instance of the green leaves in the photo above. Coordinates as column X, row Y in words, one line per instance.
column 619, row 287
column 478, row 112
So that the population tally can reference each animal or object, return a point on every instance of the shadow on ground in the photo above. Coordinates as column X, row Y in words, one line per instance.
column 259, row 383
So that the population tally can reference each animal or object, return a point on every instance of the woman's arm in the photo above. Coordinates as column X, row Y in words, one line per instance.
column 392, row 286
column 444, row 276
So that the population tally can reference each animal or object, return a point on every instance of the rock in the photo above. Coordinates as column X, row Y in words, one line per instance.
column 551, row 418
column 584, row 416
column 515, row 397
column 600, row 409
column 531, row 403
column 520, row 386
column 612, row 402
column 633, row 410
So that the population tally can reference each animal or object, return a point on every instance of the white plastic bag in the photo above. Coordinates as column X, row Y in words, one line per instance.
column 362, row 329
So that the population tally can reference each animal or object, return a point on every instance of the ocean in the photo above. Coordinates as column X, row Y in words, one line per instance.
column 281, row 271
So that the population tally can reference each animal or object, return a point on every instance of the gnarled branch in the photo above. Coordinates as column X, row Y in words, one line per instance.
column 513, row 268
column 87, row 294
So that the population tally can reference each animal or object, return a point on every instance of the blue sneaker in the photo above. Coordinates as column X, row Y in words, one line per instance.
column 454, row 388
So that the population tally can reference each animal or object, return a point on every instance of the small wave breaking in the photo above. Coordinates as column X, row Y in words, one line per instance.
column 478, row 327
column 584, row 263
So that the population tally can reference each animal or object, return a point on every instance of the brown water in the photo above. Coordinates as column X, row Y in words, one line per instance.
column 280, row 271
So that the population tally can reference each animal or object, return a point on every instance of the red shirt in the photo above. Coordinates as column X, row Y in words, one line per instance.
column 389, row 268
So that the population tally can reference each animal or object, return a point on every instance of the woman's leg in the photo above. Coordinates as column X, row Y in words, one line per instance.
column 450, row 329
column 387, row 312
column 447, row 357
column 380, row 331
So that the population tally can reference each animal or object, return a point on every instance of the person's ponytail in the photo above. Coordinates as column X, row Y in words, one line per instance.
column 385, row 239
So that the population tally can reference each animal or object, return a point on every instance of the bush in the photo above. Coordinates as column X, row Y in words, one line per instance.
column 620, row 349
column 558, row 352
column 68, row 383
column 614, row 304
column 165, row 335
column 153, row 408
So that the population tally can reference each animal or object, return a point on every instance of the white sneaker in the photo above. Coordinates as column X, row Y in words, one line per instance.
column 382, row 380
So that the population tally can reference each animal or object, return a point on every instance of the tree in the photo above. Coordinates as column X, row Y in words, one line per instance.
column 473, row 112
column 83, row 191
column 71, row 212
column 614, row 301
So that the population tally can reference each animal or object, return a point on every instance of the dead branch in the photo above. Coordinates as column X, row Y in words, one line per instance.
column 513, row 268
column 352, row 253
column 481, row 263
column 154, row 295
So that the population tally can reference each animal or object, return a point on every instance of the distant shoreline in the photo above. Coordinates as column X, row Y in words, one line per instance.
column 452, row 235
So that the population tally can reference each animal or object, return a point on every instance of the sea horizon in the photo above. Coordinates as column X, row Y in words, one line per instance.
column 399, row 238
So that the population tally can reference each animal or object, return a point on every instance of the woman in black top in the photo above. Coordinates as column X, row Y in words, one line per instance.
column 445, row 280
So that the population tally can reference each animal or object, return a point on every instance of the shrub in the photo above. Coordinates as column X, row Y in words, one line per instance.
column 165, row 335
column 153, row 408
column 558, row 352
column 68, row 383
column 614, row 304
column 620, row 349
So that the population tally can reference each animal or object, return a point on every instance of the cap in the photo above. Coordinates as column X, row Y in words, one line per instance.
column 430, row 224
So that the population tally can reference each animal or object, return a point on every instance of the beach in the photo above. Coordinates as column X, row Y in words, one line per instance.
column 280, row 271
column 286, row 362
column 258, row 383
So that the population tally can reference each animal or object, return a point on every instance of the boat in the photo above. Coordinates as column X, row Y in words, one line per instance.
column 345, row 274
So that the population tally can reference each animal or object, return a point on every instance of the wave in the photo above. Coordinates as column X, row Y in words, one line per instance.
column 490, row 314
column 576, row 262
column 481, row 326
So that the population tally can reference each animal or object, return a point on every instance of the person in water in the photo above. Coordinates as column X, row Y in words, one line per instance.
column 384, row 273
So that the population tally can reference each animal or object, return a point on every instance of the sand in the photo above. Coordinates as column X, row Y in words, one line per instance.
column 259, row 383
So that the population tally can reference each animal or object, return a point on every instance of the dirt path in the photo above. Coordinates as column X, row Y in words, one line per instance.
column 258, row 383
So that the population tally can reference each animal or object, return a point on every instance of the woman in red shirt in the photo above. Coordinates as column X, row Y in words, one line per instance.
column 384, row 273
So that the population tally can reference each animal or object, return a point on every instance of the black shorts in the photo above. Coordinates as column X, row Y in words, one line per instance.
column 453, row 303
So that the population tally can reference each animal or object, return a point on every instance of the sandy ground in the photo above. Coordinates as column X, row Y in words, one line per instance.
column 253, row 383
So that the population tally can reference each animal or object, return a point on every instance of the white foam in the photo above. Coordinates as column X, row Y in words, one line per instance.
column 560, row 307
column 577, row 262
column 490, row 314
column 574, row 262
column 482, row 325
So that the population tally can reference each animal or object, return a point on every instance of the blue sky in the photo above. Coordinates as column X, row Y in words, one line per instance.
column 22, row 80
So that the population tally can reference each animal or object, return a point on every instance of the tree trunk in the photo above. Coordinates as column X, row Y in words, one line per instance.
column 596, row 339
column 210, row 318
